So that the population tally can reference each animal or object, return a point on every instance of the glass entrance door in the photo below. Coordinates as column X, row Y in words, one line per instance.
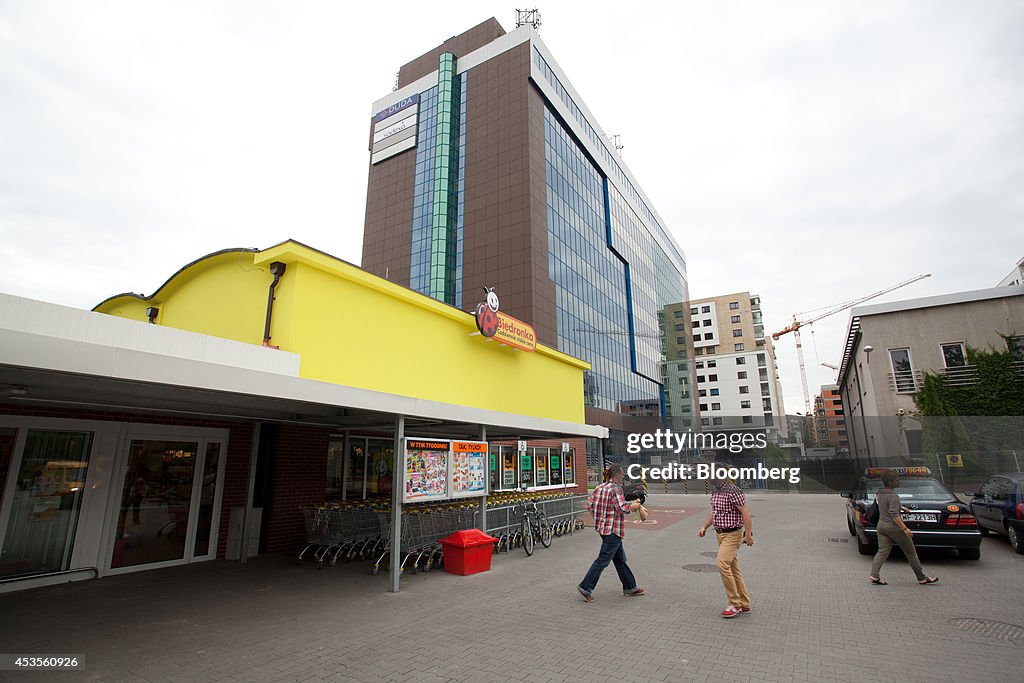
column 45, row 500
column 156, row 502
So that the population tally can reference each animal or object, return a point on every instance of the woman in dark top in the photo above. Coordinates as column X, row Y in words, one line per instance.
column 892, row 530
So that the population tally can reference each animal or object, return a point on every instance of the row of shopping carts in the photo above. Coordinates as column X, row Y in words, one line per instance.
column 505, row 515
column 361, row 530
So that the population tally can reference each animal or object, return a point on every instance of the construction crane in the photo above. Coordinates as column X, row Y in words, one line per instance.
column 797, row 324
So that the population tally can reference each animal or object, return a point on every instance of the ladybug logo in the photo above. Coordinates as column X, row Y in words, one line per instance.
column 487, row 314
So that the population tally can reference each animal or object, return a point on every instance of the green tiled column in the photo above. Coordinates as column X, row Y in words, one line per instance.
column 444, row 204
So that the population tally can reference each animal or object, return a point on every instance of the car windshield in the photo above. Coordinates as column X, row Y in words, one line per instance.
column 913, row 489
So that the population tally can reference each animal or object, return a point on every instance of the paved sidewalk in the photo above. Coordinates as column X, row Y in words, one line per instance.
column 815, row 616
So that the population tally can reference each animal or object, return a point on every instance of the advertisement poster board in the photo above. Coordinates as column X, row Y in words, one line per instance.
column 468, row 469
column 425, row 470
column 567, row 468
column 508, row 469
column 554, row 468
column 526, row 469
column 540, row 461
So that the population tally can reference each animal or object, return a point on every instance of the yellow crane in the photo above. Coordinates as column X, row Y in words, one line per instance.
column 795, row 326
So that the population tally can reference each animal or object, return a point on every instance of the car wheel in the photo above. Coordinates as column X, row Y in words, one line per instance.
column 1015, row 539
column 970, row 553
column 866, row 548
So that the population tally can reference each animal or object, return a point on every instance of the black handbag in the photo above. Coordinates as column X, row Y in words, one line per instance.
column 872, row 513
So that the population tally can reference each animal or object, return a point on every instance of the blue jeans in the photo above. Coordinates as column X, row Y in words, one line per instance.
column 611, row 551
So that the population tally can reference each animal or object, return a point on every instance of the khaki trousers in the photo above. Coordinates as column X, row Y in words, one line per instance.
column 888, row 535
column 729, row 568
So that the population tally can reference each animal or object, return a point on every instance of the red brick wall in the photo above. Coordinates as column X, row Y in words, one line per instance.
column 300, row 478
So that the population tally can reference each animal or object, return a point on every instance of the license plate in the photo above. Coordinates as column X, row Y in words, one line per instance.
column 919, row 517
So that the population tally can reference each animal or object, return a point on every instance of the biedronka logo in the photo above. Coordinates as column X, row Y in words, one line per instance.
column 503, row 328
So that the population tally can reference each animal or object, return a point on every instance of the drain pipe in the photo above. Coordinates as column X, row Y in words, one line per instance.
column 277, row 270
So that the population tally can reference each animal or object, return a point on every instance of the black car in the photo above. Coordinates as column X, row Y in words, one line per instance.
column 936, row 516
column 999, row 506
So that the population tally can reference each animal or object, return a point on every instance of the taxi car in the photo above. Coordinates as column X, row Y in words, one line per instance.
column 936, row 516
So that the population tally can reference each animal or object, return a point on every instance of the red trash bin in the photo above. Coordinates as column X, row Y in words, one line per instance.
column 468, row 552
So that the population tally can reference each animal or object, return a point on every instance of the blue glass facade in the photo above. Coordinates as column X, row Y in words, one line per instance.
column 424, row 185
column 609, row 288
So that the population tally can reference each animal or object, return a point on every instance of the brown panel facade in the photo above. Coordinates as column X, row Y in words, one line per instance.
column 387, row 231
column 505, row 237
column 459, row 45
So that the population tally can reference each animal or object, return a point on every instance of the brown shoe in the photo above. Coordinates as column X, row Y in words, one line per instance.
column 586, row 596
column 635, row 591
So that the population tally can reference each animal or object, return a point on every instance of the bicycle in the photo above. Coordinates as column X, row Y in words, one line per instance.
column 534, row 526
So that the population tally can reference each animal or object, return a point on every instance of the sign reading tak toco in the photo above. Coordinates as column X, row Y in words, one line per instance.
column 503, row 328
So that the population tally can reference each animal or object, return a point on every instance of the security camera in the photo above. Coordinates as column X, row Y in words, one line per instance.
column 869, row 349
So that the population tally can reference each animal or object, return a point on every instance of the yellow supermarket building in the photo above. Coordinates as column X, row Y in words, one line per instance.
column 193, row 424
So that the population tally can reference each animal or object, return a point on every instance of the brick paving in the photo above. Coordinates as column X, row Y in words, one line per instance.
column 815, row 617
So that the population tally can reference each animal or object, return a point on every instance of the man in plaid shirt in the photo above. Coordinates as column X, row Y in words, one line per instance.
column 609, row 506
column 731, row 518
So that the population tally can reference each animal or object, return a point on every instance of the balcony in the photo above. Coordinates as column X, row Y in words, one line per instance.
column 960, row 377
column 906, row 381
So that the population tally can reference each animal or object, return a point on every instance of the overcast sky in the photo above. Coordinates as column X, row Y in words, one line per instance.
column 811, row 152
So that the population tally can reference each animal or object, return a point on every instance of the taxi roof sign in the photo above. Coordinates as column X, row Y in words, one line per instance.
column 877, row 471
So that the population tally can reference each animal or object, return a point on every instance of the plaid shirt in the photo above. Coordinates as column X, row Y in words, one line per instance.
column 609, row 506
column 725, row 503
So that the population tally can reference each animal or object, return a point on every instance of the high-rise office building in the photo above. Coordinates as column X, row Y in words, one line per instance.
column 488, row 170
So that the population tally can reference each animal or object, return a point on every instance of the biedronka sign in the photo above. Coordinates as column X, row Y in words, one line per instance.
column 503, row 328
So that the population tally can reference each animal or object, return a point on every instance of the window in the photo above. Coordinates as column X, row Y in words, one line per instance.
column 693, row 311
column 1016, row 347
column 709, row 336
column 707, row 323
column 741, row 375
column 734, row 319
column 699, row 365
column 680, row 328
column 702, row 393
column 712, row 378
column 755, row 301
column 766, row 404
column 677, row 313
column 680, row 340
column 717, row 421
column 712, row 363
column 716, row 406
column 745, row 404
column 698, row 352
column 953, row 355
column 747, row 419
column 710, row 349
column 737, row 333
column 738, row 347
column 703, row 406
column 714, row 392
column 764, row 389
column 681, row 366
column 741, row 360
column 700, row 378
column 696, row 337
column 734, row 305
column 744, row 389
column 902, row 370
column 705, row 421
column 705, row 309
